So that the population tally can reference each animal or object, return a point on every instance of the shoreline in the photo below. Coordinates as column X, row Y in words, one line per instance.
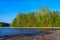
column 29, row 27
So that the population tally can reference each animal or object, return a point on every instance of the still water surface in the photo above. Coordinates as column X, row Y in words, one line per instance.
column 16, row 31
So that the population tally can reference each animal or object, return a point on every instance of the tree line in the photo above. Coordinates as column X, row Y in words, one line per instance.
column 2, row 24
column 41, row 18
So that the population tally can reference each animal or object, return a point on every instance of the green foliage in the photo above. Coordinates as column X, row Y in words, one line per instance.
column 47, row 17
column 42, row 18
column 14, row 23
column 54, row 17
column 2, row 24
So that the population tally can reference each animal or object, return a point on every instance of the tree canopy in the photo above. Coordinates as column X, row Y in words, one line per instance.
column 41, row 18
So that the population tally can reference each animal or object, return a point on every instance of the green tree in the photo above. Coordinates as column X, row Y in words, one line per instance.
column 31, row 19
column 57, row 24
column 42, row 18
column 38, row 19
column 47, row 18
column 54, row 18
column 14, row 23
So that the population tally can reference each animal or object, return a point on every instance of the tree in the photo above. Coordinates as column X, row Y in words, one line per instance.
column 39, row 17
column 14, row 23
column 47, row 18
column 42, row 18
column 57, row 24
column 31, row 19
column 2, row 24
column 54, row 18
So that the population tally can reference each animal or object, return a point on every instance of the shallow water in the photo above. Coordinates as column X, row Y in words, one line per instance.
column 16, row 31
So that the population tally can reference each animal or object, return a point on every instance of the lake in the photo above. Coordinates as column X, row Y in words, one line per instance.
column 18, row 31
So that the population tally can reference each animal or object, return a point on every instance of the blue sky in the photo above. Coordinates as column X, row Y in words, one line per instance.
column 10, row 8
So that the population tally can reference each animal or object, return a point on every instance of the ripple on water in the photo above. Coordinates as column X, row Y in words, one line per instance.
column 14, row 31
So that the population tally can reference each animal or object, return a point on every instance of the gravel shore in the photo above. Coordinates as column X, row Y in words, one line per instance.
column 47, row 35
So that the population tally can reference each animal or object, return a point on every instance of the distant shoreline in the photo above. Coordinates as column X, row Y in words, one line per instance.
column 36, row 28
column 30, row 27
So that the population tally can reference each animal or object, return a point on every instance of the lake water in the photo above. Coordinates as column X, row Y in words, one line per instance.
column 16, row 31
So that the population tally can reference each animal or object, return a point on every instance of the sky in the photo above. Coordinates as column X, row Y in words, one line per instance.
column 9, row 9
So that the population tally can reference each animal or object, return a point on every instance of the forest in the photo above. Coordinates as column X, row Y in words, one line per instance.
column 42, row 18
column 3, row 24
